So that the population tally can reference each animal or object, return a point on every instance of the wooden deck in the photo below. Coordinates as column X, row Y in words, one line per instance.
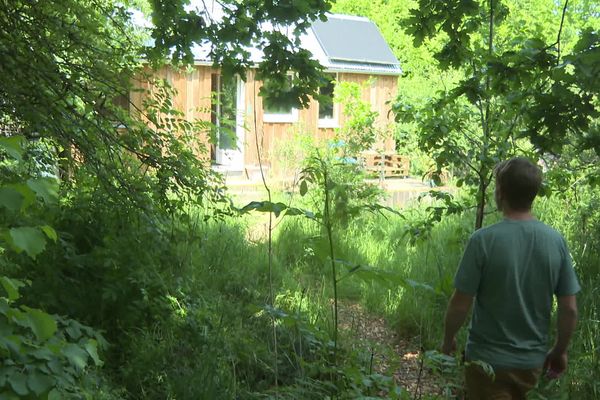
column 385, row 165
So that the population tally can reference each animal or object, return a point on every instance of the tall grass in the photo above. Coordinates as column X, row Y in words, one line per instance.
column 417, row 312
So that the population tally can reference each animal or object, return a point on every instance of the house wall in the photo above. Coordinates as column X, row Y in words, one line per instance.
column 193, row 99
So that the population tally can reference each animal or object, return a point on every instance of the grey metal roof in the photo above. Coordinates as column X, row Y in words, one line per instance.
column 353, row 39
column 343, row 43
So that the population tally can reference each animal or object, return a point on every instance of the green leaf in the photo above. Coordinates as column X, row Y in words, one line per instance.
column 74, row 330
column 39, row 382
column 76, row 355
column 26, row 192
column 303, row 188
column 92, row 348
column 18, row 382
column 28, row 239
column 8, row 395
column 11, row 286
column 11, row 199
column 50, row 232
column 46, row 188
column 54, row 395
column 275, row 208
column 42, row 324
column 13, row 145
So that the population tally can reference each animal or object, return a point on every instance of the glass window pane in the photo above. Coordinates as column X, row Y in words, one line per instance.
column 326, row 100
column 271, row 106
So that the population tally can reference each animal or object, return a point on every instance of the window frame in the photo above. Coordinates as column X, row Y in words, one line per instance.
column 280, row 118
column 332, row 122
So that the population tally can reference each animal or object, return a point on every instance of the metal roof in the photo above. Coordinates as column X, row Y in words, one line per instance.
column 343, row 43
column 353, row 39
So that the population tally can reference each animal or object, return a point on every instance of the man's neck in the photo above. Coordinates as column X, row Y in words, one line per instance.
column 518, row 215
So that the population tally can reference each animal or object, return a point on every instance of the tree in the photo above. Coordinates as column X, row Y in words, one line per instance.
column 274, row 27
column 65, row 63
column 524, row 91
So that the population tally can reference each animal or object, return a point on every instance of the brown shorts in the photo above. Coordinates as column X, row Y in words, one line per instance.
column 508, row 384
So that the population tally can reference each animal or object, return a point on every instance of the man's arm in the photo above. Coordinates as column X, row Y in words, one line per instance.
column 556, row 361
column 456, row 314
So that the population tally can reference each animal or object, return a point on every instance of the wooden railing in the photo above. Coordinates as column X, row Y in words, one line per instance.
column 386, row 165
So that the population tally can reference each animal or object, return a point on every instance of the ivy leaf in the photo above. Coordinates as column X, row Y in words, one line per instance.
column 11, row 199
column 28, row 239
column 42, row 324
column 39, row 382
column 13, row 145
column 11, row 286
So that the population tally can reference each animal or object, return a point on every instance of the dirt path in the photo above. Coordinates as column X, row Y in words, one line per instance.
column 391, row 354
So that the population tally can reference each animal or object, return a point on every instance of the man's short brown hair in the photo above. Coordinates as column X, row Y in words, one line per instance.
column 520, row 181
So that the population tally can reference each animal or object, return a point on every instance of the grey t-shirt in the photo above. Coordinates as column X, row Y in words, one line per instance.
column 514, row 268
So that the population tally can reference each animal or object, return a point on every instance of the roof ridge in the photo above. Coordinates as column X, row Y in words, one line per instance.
column 348, row 16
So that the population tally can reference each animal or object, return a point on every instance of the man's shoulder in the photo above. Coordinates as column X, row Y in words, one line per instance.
column 506, row 227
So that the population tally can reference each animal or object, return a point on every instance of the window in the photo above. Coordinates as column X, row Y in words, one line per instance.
column 327, row 109
column 224, row 111
column 276, row 110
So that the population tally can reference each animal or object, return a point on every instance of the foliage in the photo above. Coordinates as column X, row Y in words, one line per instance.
column 358, row 132
column 44, row 356
column 509, row 97
column 273, row 27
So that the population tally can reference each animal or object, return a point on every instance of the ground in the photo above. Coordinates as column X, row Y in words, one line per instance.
column 391, row 354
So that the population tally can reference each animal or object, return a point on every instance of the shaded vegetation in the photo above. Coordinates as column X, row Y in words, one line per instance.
column 126, row 272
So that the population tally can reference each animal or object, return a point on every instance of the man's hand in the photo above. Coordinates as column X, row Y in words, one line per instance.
column 555, row 364
column 458, row 309
column 556, row 360
column 449, row 347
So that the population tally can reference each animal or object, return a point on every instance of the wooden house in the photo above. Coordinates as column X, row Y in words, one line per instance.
column 350, row 48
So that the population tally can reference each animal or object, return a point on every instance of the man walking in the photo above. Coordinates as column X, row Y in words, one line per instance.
column 512, row 270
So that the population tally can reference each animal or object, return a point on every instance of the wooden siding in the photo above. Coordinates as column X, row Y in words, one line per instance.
column 194, row 100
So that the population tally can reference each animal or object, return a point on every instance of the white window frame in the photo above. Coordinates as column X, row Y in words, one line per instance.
column 332, row 122
column 289, row 118
column 277, row 118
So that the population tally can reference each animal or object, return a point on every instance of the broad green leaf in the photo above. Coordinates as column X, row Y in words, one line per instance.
column 18, row 383
column 8, row 395
column 275, row 208
column 42, row 353
column 42, row 324
column 303, row 188
column 26, row 192
column 11, row 286
column 76, row 355
column 28, row 239
column 54, row 395
column 39, row 382
column 46, row 188
column 10, row 198
column 92, row 348
column 13, row 145
column 50, row 232
column 74, row 331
